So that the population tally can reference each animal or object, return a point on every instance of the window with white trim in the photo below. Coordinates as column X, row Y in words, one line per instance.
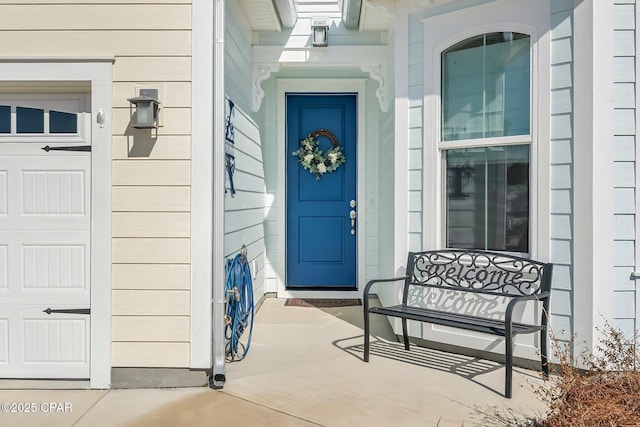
column 46, row 115
column 486, row 140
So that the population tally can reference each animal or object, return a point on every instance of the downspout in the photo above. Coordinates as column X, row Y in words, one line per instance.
column 217, row 378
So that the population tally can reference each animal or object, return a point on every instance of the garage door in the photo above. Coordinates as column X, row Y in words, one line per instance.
column 45, row 216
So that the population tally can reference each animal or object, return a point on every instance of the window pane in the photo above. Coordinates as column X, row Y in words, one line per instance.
column 60, row 122
column 5, row 119
column 488, row 198
column 29, row 120
column 485, row 87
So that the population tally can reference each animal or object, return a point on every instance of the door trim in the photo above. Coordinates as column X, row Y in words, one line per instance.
column 320, row 86
column 98, row 73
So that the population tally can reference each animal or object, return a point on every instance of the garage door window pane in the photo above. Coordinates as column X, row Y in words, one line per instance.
column 60, row 122
column 485, row 87
column 488, row 198
column 29, row 120
column 5, row 119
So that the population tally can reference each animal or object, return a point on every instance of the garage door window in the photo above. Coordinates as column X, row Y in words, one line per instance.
column 29, row 120
column 60, row 122
column 5, row 119
column 28, row 115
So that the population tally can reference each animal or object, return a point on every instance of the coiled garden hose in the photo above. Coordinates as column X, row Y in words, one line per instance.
column 239, row 306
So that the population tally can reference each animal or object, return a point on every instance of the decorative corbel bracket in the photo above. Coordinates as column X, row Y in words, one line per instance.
column 378, row 72
column 370, row 59
column 261, row 72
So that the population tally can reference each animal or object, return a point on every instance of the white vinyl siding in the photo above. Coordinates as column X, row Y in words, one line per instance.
column 561, row 220
column 244, row 211
column 417, row 175
column 624, row 146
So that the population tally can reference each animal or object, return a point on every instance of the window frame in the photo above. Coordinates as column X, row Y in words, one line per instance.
column 442, row 32
column 500, row 141
column 46, row 102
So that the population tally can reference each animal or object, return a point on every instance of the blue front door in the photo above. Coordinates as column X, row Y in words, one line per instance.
column 321, row 243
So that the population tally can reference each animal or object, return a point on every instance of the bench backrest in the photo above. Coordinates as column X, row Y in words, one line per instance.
column 478, row 271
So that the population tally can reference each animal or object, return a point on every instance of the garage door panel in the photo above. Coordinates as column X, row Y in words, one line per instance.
column 46, row 267
column 53, row 192
column 4, row 341
column 53, row 267
column 38, row 345
column 45, row 192
column 55, row 340
column 4, row 268
column 4, row 194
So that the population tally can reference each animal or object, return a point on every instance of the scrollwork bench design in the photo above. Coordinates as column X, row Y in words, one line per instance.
column 473, row 290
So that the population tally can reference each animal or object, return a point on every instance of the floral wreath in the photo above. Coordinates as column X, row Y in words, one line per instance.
column 311, row 157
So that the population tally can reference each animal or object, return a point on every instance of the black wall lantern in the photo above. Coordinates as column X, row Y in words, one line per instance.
column 146, row 109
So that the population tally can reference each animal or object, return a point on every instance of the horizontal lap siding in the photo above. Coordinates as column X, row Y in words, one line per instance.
column 244, row 211
column 561, row 205
column 151, row 43
column 417, row 175
column 624, row 145
column 151, row 189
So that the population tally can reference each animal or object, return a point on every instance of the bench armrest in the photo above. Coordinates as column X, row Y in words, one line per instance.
column 370, row 283
column 365, row 293
column 515, row 300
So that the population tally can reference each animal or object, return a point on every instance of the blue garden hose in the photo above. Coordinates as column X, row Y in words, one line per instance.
column 239, row 306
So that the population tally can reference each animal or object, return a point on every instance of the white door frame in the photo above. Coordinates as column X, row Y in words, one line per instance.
column 309, row 86
column 97, row 71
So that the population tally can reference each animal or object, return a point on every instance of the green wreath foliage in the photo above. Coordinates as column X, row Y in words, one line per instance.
column 312, row 159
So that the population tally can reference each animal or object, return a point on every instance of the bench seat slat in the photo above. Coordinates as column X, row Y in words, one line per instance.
column 464, row 321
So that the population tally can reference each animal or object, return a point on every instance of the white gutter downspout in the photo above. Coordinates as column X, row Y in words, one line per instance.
column 217, row 378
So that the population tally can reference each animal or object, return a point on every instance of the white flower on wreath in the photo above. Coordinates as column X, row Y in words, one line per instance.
column 333, row 157
column 322, row 168
column 308, row 158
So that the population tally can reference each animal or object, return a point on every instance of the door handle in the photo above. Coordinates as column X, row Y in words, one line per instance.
column 352, row 215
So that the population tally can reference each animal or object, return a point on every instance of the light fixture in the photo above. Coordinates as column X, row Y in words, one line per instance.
column 320, row 30
column 147, row 107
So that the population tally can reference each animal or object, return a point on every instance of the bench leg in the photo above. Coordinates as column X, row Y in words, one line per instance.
column 366, row 333
column 544, row 356
column 509, row 365
column 405, row 334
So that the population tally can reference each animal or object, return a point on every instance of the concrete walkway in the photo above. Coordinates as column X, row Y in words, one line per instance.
column 305, row 368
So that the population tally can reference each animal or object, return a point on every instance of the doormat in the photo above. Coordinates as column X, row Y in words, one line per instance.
column 322, row 302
